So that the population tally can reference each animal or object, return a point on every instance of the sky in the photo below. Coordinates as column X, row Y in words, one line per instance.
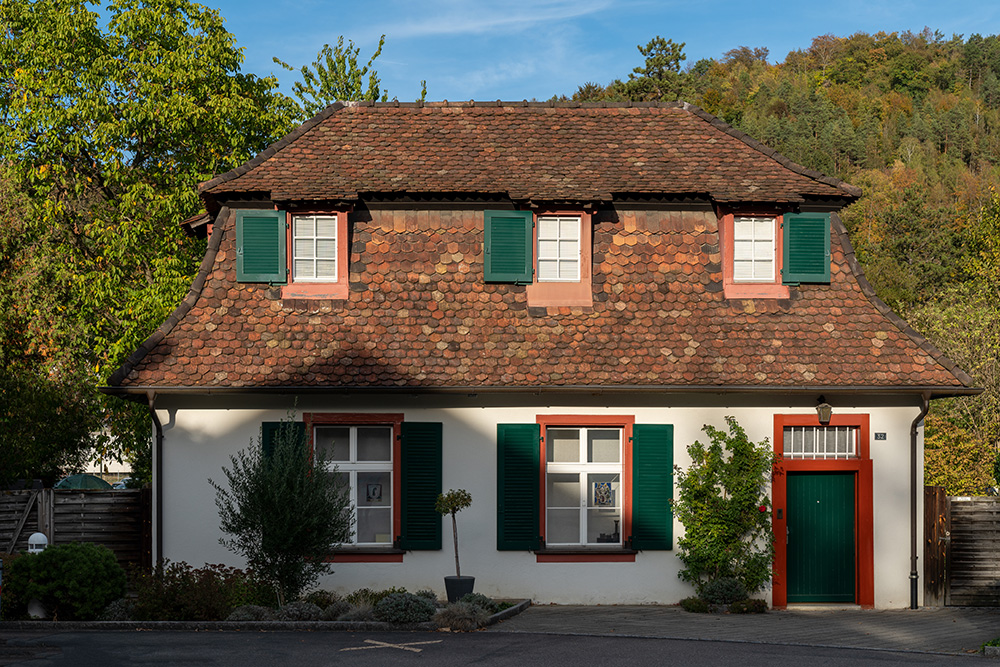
column 534, row 49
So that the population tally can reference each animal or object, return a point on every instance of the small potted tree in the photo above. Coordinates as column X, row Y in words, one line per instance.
column 452, row 503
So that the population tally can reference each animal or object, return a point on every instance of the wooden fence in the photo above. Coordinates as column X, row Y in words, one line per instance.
column 961, row 550
column 119, row 519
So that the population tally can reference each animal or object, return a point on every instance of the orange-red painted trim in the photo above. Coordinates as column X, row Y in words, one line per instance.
column 584, row 558
column 735, row 290
column 364, row 558
column 625, row 423
column 579, row 293
column 864, row 509
column 394, row 419
column 312, row 290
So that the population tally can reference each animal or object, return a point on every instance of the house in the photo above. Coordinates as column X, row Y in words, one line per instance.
column 543, row 304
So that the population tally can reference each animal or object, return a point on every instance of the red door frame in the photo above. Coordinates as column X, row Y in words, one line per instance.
column 864, row 533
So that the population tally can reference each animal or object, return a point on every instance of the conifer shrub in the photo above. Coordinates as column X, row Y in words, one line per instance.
column 725, row 590
column 695, row 605
column 299, row 611
column 74, row 581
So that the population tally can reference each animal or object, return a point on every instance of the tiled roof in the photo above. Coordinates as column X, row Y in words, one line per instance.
column 420, row 315
column 527, row 151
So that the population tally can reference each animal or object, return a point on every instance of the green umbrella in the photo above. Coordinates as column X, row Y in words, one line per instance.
column 82, row 481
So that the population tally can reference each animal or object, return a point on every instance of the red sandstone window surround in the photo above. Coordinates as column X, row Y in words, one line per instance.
column 318, row 254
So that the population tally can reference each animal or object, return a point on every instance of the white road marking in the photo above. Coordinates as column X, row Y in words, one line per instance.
column 403, row 647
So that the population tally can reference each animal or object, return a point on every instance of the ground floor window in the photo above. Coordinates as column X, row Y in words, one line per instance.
column 363, row 458
column 583, row 472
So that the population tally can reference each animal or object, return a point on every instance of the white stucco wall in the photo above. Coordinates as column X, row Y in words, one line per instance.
column 200, row 435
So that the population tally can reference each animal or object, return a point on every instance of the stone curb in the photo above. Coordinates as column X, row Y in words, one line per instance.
column 991, row 651
column 270, row 626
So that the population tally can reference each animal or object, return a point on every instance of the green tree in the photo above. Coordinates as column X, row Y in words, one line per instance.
column 660, row 79
column 284, row 511
column 722, row 501
column 335, row 76
column 108, row 127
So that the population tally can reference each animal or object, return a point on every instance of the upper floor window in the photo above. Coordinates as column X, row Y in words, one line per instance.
column 314, row 247
column 754, row 248
column 549, row 252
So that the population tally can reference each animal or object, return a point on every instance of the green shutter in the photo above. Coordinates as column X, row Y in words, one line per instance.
column 269, row 434
column 652, row 486
column 421, row 483
column 518, row 451
column 807, row 248
column 508, row 246
column 260, row 247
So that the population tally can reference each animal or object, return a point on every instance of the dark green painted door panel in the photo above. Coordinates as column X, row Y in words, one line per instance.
column 821, row 553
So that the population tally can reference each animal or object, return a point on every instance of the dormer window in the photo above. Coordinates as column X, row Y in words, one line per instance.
column 754, row 250
column 558, row 248
column 314, row 244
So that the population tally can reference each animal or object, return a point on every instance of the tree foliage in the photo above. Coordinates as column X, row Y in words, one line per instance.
column 723, row 503
column 112, row 114
column 335, row 76
column 284, row 511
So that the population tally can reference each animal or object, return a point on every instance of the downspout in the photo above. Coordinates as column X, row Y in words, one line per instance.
column 157, row 476
column 914, row 577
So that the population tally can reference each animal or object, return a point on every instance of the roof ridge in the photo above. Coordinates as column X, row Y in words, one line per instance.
column 887, row 312
column 185, row 306
column 723, row 126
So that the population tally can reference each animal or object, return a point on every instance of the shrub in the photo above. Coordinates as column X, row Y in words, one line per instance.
column 279, row 515
column 403, row 608
column 76, row 580
column 723, row 591
column 336, row 610
column 121, row 609
column 16, row 577
column 748, row 607
column 321, row 599
column 362, row 611
column 461, row 617
column 370, row 597
column 722, row 500
column 694, row 605
column 487, row 604
column 299, row 611
column 178, row 592
column 251, row 612
column 428, row 595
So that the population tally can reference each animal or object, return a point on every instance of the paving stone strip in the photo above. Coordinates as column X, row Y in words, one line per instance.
column 952, row 630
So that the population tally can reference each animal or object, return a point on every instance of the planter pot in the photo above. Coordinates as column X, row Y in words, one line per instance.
column 458, row 587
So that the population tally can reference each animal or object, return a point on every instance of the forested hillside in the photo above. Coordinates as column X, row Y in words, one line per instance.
column 914, row 120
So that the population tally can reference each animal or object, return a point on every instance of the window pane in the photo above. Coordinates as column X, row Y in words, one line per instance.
column 742, row 228
column 374, row 525
column 562, row 526
column 603, row 445
column 563, row 445
column 742, row 250
column 304, row 268
column 327, row 227
column 303, row 226
column 548, row 228
column 742, row 271
column 569, row 228
column 763, row 229
column 763, row 270
column 374, row 443
column 569, row 270
column 604, row 526
column 569, row 249
column 548, row 249
column 604, row 490
column 374, row 489
column 303, row 248
column 548, row 270
column 563, row 490
column 334, row 442
column 326, row 248
column 763, row 251
column 326, row 268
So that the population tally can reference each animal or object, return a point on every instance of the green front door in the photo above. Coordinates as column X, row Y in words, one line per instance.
column 821, row 553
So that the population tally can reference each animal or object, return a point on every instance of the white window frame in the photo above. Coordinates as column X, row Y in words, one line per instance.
column 316, row 255
column 816, row 443
column 558, row 257
column 353, row 466
column 583, row 469
column 762, row 250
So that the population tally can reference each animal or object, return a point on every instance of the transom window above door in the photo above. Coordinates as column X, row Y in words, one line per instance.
column 820, row 442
